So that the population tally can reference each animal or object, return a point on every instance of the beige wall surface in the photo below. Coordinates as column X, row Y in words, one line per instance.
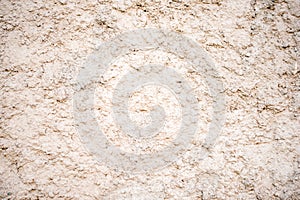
column 254, row 46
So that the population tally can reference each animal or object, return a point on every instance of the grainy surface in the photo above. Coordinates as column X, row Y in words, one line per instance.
column 255, row 47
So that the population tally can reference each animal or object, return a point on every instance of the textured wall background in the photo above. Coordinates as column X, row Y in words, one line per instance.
column 255, row 47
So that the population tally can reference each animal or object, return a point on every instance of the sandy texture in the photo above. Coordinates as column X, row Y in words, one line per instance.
column 255, row 47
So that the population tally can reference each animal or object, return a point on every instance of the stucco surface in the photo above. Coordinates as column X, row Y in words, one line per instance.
column 254, row 46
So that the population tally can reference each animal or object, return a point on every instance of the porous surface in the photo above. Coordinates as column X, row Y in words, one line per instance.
column 254, row 45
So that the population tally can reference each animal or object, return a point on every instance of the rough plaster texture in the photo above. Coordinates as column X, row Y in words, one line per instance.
column 255, row 47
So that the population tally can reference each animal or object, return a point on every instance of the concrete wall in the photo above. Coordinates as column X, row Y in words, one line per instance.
column 254, row 46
